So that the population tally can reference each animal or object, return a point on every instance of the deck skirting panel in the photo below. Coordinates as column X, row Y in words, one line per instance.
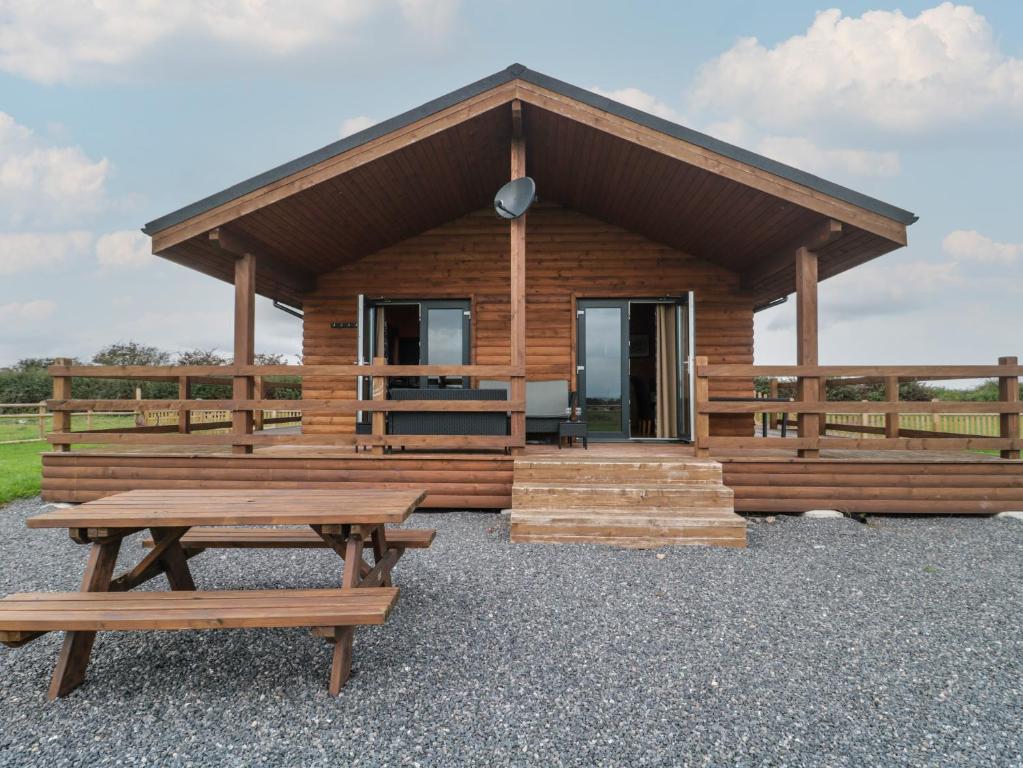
column 485, row 481
column 876, row 487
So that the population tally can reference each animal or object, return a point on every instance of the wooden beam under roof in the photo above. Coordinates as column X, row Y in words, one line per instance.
column 813, row 239
column 240, row 244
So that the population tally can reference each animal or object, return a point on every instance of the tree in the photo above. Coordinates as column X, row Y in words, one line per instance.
column 131, row 353
column 201, row 357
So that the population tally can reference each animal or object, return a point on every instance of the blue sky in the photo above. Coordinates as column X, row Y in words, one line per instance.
column 111, row 116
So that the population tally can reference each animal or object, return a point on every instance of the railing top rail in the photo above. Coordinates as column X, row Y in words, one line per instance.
column 933, row 372
column 176, row 371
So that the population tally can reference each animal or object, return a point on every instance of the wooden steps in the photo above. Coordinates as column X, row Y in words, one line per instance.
column 627, row 501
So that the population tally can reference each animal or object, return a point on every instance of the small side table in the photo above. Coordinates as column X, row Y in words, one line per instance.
column 572, row 430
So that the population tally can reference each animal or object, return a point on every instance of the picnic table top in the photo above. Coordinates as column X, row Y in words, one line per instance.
column 187, row 508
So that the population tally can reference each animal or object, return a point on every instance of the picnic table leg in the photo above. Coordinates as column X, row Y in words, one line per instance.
column 379, row 537
column 341, row 666
column 174, row 560
column 339, row 543
column 74, row 654
column 353, row 560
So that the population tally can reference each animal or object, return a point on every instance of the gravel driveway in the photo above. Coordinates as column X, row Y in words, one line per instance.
column 825, row 643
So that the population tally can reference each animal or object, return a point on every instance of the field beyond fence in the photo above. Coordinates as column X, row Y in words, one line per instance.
column 30, row 422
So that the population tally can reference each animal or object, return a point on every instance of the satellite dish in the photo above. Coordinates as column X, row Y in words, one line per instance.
column 515, row 197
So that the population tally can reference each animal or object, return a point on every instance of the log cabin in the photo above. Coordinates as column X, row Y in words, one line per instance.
column 449, row 348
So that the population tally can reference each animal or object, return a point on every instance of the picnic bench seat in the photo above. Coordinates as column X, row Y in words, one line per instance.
column 331, row 613
column 232, row 537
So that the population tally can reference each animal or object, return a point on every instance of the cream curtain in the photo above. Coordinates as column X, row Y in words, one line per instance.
column 379, row 345
column 667, row 372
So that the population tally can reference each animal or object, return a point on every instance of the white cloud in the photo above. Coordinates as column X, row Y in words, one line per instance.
column 62, row 40
column 431, row 18
column 639, row 99
column 27, row 311
column 127, row 248
column 882, row 68
column 967, row 245
column 805, row 154
column 29, row 251
column 877, row 289
column 355, row 124
column 44, row 184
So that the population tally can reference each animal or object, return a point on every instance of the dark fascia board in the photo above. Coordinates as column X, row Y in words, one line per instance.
column 514, row 72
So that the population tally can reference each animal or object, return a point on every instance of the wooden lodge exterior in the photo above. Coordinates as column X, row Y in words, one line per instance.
column 631, row 208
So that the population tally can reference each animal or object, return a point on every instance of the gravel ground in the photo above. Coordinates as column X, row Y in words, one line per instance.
column 825, row 643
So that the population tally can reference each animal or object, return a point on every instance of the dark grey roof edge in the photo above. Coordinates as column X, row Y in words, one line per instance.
column 558, row 86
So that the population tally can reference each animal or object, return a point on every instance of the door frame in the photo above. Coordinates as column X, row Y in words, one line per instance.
column 368, row 318
column 685, row 335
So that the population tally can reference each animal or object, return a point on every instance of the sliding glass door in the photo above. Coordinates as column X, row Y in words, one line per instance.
column 631, row 365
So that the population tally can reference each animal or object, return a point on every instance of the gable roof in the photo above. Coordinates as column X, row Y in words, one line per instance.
column 446, row 158
column 520, row 72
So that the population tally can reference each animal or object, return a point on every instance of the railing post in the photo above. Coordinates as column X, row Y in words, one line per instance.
column 772, row 389
column 257, row 393
column 61, row 419
column 701, row 396
column 379, row 418
column 891, row 417
column 935, row 417
column 1008, row 392
column 42, row 419
column 184, row 415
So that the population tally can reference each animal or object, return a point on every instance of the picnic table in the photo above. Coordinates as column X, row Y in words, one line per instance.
column 182, row 524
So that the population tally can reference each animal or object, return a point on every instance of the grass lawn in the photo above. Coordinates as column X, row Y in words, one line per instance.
column 20, row 470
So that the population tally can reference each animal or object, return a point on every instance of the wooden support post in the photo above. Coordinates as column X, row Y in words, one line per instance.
column 1008, row 392
column 61, row 391
column 891, row 418
column 184, row 416
column 518, row 285
column 806, row 345
column 379, row 418
column 935, row 418
column 244, row 341
column 701, row 396
column 42, row 419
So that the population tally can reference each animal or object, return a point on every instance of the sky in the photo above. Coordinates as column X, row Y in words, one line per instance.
column 114, row 112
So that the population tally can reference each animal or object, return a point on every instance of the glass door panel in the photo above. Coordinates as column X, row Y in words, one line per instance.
column 603, row 368
column 446, row 340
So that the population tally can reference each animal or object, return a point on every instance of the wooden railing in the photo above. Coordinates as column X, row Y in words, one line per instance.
column 243, row 438
column 892, row 436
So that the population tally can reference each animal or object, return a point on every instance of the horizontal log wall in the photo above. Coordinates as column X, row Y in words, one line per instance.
column 567, row 254
column 464, row 482
column 875, row 486
column 484, row 482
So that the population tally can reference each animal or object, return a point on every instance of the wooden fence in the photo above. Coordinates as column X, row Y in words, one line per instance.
column 902, row 425
column 140, row 416
column 244, row 424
